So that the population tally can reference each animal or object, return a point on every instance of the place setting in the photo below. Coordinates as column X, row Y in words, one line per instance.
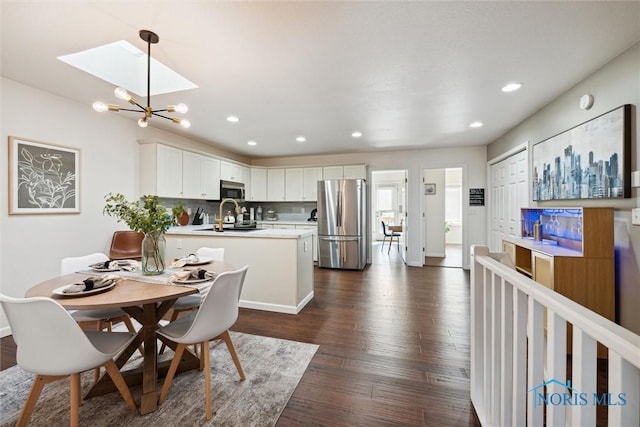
column 115, row 265
column 191, row 260
column 192, row 276
column 88, row 286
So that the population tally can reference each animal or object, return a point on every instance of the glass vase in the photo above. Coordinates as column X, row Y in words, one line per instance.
column 153, row 250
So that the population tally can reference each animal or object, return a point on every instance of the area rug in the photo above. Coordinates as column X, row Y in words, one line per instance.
column 273, row 368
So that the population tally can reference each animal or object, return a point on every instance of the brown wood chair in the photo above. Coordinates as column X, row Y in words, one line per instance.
column 126, row 245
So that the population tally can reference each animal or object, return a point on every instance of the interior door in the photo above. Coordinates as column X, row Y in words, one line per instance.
column 404, row 218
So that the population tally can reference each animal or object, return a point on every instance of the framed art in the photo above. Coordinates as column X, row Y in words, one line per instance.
column 44, row 178
column 429, row 189
column 589, row 161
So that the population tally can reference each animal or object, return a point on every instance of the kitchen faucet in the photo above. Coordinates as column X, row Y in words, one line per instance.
column 220, row 219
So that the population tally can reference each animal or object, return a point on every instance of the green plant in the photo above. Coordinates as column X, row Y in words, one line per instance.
column 149, row 217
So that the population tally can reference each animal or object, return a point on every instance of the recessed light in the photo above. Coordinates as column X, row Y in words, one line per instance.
column 511, row 87
column 233, row 119
column 476, row 125
column 301, row 139
column 356, row 134
column 252, row 143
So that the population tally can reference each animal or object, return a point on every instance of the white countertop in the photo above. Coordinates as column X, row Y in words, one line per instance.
column 288, row 222
column 543, row 248
column 260, row 233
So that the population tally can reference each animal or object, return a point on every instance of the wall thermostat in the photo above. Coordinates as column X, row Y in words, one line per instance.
column 586, row 102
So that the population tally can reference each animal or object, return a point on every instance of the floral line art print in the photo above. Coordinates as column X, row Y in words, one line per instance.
column 44, row 179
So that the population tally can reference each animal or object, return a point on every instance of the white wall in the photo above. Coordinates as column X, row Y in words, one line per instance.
column 615, row 84
column 472, row 160
column 32, row 245
column 434, row 211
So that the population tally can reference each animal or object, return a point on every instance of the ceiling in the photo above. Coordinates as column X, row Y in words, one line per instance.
column 405, row 74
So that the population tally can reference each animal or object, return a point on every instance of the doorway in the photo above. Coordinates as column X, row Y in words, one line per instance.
column 388, row 205
column 443, row 219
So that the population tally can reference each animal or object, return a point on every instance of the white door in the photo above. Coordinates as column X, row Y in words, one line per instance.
column 509, row 193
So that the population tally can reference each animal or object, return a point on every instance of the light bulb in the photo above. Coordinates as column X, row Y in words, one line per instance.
column 143, row 122
column 100, row 106
column 185, row 123
column 182, row 108
column 122, row 94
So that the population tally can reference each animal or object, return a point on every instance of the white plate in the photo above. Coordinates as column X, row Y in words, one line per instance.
column 201, row 261
column 191, row 281
column 59, row 291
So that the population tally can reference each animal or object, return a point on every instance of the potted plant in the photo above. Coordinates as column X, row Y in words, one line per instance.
column 149, row 217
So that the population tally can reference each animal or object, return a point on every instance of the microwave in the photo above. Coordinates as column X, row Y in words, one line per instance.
column 231, row 190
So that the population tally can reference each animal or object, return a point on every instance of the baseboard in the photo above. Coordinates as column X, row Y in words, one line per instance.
column 5, row 332
column 436, row 254
column 278, row 308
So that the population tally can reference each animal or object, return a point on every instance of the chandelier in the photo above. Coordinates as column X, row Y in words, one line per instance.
column 149, row 37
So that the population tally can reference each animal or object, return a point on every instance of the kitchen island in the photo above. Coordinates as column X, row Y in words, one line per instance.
column 280, row 276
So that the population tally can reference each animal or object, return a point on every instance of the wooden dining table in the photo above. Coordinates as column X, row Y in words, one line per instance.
column 147, row 303
column 395, row 228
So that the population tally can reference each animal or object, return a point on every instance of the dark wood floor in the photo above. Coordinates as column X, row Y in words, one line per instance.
column 394, row 347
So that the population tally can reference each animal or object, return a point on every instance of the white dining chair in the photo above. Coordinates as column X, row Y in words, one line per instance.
column 101, row 318
column 217, row 313
column 104, row 318
column 192, row 302
column 51, row 344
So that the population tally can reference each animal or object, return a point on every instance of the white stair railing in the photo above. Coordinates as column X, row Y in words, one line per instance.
column 518, row 365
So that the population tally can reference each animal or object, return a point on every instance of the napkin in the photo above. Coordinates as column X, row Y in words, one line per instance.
column 91, row 283
column 189, row 259
column 120, row 264
column 196, row 274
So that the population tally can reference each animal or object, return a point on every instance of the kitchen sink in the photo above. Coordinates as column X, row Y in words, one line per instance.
column 243, row 229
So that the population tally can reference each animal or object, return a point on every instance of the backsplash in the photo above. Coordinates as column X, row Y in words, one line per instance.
column 287, row 211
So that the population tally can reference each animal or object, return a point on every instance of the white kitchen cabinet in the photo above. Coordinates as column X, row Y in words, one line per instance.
column 301, row 184
column 345, row 172
column 294, row 184
column 258, row 190
column 332, row 172
column 355, row 172
column 200, row 177
column 314, row 240
column 232, row 172
column 310, row 178
column 160, row 170
column 284, row 226
column 275, row 185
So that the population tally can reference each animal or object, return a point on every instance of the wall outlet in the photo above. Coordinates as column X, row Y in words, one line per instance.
column 178, row 243
column 635, row 216
column 302, row 210
column 635, row 179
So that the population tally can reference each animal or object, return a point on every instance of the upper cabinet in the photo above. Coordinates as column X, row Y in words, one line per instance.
column 233, row 172
column 160, row 170
column 301, row 184
column 275, row 185
column 170, row 172
column 345, row 172
column 310, row 179
column 258, row 189
column 200, row 177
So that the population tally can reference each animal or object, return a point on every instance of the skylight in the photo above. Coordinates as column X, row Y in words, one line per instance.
column 124, row 65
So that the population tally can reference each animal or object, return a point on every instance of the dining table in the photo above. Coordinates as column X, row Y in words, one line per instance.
column 395, row 228
column 147, row 299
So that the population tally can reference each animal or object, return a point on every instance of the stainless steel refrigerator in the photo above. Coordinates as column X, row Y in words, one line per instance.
column 342, row 224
